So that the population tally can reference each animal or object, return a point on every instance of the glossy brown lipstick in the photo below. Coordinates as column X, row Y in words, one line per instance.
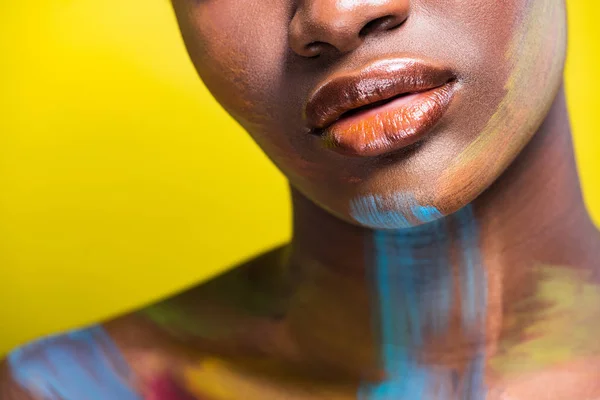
column 383, row 107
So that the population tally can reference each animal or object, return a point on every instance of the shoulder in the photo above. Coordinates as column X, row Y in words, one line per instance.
column 9, row 389
column 123, row 357
column 79, row 364
column 253, row 292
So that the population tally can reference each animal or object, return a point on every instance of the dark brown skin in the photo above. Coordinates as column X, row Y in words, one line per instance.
column 302, row 321
column 253, row 59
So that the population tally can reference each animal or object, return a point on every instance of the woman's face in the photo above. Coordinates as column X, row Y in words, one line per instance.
column 387, row 113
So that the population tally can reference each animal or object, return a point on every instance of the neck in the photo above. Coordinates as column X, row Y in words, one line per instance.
column 452, row 291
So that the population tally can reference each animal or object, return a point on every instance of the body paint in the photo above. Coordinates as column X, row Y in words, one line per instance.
column 474, row 286
column 165, row 388
column 503, row 132
column 408, row 310
column 175, row 320
column 563, row 323
column 397, row 211
column 83, row 364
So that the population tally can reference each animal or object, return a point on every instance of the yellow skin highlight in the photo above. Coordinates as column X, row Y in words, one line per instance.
column 501, row 134
column 567, row 327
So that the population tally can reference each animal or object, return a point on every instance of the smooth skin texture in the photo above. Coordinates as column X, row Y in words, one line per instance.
column 492, row 294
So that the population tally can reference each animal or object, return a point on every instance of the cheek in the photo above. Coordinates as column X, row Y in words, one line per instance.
column 533, row 62
column 239, row 48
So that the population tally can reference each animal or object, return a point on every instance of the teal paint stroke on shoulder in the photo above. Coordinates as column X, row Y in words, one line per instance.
column 82, row 364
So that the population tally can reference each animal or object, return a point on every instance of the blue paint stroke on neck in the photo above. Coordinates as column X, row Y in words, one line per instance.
column 473, row 292
column 474, row 301
column 82, row 364
column 414, row 284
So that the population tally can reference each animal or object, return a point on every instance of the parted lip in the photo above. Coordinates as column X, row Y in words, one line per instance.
column 376, row 84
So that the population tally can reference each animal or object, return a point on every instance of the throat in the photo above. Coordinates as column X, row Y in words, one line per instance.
column 431, row 290
column 416, row 312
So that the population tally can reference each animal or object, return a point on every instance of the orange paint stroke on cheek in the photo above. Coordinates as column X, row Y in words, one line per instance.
column 503, row 136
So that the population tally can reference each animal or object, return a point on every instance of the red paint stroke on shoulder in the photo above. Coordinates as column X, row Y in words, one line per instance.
column 166, row 388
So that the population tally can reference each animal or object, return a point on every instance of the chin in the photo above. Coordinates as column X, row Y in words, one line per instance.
column 395, row 210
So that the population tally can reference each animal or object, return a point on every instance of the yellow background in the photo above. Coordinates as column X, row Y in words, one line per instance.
column 121, row 180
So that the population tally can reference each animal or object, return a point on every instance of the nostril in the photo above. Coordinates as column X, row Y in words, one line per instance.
column 386, row 23
column 314, row 49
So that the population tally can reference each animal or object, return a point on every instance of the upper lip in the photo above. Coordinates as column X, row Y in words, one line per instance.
column 379, row 81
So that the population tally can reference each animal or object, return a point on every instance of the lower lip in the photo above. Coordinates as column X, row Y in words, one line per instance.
column 391, row 126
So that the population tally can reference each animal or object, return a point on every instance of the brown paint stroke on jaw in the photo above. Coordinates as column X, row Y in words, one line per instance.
column 501, row 135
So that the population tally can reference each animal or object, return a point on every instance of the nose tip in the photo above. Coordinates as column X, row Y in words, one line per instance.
column 342, row 25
